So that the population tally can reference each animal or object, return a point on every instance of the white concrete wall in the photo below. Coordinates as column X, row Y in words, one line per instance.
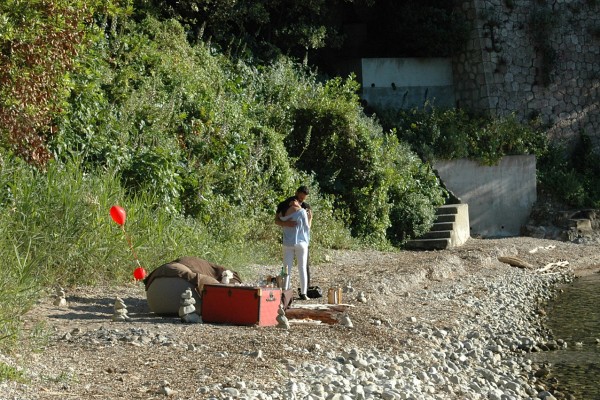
column 407, row 82
column 500, row 197
column 381, row 72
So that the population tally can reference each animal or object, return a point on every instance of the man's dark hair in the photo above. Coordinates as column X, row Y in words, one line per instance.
column 303, row 189
column 284, row 205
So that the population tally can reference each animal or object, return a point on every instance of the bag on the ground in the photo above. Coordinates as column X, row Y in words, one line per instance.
column 313, row 292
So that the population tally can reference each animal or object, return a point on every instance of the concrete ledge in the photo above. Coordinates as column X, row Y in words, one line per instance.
column 500, row 197
column 462, row 230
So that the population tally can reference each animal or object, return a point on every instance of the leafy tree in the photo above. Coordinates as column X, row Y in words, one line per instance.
column 174, row 120
column 39, row 44
column 263, row 29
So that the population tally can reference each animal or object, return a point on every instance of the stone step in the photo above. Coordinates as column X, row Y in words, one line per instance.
column 450, row 229
column 442, row 226
column 437, row 235
column 428, row 244
column 445, row 218
column 449, row 209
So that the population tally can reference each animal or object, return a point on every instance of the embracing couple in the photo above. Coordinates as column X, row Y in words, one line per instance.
column 294, row 215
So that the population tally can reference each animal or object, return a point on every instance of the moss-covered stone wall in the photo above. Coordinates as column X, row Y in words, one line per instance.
column 536, row 58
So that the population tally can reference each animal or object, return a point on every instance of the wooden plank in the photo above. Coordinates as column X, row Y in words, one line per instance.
column 327, row 313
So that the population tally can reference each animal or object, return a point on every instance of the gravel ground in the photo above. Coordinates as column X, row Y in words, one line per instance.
column 451, row 324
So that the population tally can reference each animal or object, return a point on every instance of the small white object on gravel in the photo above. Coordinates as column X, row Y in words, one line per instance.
column 120, row 311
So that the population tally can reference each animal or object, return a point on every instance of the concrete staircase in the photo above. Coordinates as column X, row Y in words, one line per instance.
column 450, row 229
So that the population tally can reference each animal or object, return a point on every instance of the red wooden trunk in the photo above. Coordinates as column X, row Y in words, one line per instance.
column 240, row 305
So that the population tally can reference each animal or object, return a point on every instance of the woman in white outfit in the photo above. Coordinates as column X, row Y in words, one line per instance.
column 295, row 244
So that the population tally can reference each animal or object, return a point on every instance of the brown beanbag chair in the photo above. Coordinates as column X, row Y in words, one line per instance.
column 166, row 283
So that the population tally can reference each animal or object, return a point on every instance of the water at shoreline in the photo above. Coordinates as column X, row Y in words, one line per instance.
column 574, row 316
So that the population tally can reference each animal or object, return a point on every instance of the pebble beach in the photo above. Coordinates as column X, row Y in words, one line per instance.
column 451, row 324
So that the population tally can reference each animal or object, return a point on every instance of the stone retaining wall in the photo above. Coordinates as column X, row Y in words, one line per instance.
column 534, row 58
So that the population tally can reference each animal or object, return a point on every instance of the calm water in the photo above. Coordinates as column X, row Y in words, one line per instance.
column 575, row 317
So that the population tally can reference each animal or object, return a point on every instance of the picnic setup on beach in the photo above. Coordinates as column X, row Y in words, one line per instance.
column 199, row 291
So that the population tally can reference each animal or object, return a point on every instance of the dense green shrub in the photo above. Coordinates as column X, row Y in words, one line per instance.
column 156, row 171
column 571, row 176
column 202, row 135
column 199, row 149
column 414, row 195
column 453, row 133
column 171, row 119
column 366, row 169
column 209, row 137
column 432, row 132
